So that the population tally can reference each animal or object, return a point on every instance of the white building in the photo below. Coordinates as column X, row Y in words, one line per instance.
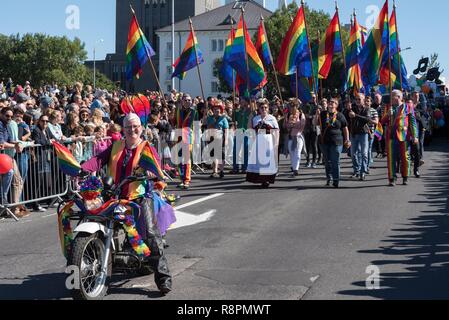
column 212, row 30
column 261, row 2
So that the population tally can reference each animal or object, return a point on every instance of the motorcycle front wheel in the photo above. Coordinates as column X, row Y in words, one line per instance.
column 87, row 255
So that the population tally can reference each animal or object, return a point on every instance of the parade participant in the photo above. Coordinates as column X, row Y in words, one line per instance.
column 334, row 135
column 360, row 119
column 374, row 120
column 401, row 126
column 122, row 159
column 416, row 149
column 264, row 171
column 186, row 117
column 379, row 145
column 242, row 116
column 310, row 132
column 218, row 122
column 295, row 126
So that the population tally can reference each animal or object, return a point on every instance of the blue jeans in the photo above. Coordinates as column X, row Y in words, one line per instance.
column 359, row 152
column 235, row 160
column 6, row 185
column 331, row 156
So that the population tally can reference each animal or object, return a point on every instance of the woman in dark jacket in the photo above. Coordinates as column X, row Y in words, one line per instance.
column 41, row 166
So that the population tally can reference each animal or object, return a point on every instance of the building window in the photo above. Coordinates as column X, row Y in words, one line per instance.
column 168, row 50
column 221, row 45
column 214, row 86
column 214, row 45
column 168, row 72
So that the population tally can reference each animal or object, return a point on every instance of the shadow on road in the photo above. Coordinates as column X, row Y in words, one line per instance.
column 47, row 286
column 420, row 248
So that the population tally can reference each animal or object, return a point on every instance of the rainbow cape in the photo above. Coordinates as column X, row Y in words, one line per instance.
column 67, row 161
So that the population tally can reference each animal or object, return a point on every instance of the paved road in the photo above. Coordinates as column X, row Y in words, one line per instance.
column 296, row 240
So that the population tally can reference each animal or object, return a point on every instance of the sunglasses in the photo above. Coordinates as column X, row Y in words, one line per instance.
column 45, row 121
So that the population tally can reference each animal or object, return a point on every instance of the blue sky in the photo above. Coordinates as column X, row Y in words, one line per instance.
column 422, row 25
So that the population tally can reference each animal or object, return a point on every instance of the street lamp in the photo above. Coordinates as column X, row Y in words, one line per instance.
column 95, row 65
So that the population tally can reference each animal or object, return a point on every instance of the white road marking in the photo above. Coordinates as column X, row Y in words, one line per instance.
column 50, row 215
column 185, row 219
column 192, row 203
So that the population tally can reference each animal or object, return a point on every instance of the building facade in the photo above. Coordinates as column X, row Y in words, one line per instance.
column 152, row 15
column 212, row 30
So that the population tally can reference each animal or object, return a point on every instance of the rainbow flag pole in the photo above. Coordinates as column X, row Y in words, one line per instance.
column 341, row 40
column 149, row 57
column 197, row 61
column 271, row 58
column 397, row 45
column 310, row 48
column 248, row 85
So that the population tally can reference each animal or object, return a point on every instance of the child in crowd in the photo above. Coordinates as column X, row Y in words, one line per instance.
column 115, row 132
column 89, row 133
column 101, row 143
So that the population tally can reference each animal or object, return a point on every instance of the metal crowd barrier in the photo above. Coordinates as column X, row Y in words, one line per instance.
column 36, row 179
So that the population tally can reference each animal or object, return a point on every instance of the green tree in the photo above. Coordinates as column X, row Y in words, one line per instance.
column 43, row 59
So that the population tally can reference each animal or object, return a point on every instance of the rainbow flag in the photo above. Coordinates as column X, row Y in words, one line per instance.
column 396, row 73
column 329, row 45
column 365, row 34
column 150, row 161
column 295, row 49
column 262, row 46
column 244, row 50
column 370, row 59
column 226, row 70
column 138, row 50
column 354, row 78
column 188, row 59
column 67, row 161
column 379, row 131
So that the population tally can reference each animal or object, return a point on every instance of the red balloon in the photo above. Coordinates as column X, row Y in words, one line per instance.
column 6, row 164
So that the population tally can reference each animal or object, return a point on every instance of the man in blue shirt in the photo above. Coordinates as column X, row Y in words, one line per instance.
column 9, row 147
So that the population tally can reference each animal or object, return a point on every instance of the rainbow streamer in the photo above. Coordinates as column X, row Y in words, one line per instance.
column 128, row 220
column 65, row 229
column 67, row 161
